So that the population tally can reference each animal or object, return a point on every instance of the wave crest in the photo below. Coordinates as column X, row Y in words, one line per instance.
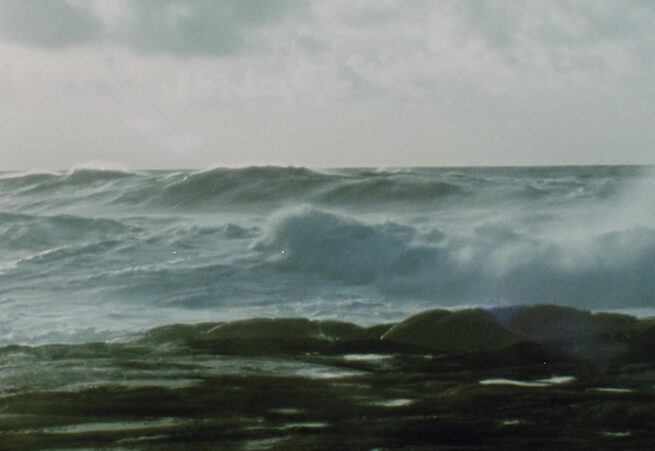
column 491, row 263
column 340, row 247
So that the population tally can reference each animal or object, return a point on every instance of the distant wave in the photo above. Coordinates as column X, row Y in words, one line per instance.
column 22, row 231
column 56, row 180
column 389, row 188
column 222, row 187
column 230, row 187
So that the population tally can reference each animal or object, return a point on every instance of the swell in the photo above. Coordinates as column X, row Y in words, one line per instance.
column 256, row 185
column 40, row 182
column 248, row 185
column 188, row 190
column 25, row 232
column 273, row 187
column 389, row 188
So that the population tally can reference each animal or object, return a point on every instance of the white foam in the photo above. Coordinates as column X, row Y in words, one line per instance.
column 329, row 373
column 616, row 434
column 510, row 422
column 613, row 390
column 558, row 380
column 555, row 380
column 108, row 426
column 513, row 382
column 400, row 402
column 366, row 357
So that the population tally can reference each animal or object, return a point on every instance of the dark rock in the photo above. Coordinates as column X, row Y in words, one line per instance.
column 466, row 330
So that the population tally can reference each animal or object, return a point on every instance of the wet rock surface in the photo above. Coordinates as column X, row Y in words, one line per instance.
column 541, row 377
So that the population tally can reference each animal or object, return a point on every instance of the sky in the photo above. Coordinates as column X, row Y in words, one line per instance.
column 325, row 83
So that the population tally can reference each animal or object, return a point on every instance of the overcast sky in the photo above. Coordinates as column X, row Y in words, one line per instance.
column 325, row 83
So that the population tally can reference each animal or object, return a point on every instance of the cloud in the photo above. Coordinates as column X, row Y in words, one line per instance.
column 201, row 27
column 415, row 51
column 432, row 49
column 160, row 134
column 182, row 144
column 176, row 27
column 49, row 24
column 564, row 39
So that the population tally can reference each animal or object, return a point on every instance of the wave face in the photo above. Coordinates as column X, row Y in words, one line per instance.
column 92, row 254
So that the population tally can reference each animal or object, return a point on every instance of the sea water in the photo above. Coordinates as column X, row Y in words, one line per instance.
column 93, row 255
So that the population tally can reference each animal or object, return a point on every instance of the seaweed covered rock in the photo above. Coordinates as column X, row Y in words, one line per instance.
column 176, row 333
column 287, row 328
column 602, row 337
column 278, row 335
column 545, row 323
column 460, row 331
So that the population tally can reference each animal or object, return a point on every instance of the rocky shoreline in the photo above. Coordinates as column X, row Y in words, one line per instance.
column 545, row 377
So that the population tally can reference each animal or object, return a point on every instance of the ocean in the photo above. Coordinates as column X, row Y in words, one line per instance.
column 95, row 254
column 103, row 273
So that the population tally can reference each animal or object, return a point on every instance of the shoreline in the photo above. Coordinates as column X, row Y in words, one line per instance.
column 540, row 376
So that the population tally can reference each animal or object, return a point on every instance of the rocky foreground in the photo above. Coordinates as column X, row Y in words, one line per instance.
column 540, row 377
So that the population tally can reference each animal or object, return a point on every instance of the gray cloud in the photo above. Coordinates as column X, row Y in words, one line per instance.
column 556, row 22
column 560, row 41
column 47, row 23
column 199, row 27
column 178, row 27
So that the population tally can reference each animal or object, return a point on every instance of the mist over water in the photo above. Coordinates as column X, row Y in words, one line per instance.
column 94, row 254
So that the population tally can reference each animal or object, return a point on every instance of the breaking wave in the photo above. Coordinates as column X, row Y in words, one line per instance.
column 341, row 247
column 491, row 263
